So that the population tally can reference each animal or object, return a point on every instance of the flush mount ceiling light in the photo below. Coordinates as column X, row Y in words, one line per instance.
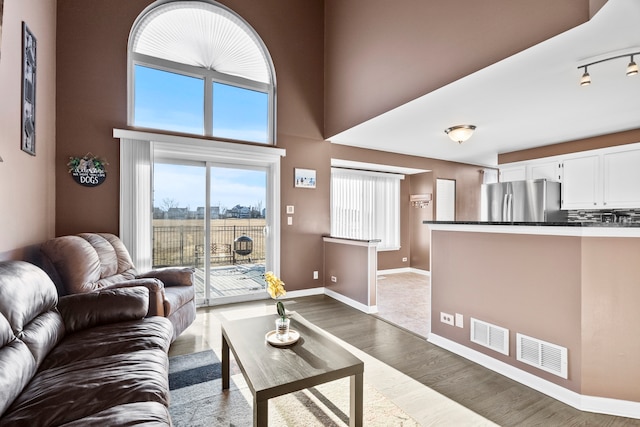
column 632, row 68
column 460, row 133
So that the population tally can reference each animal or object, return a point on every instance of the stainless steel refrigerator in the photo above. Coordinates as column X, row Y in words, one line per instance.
column 521, row 201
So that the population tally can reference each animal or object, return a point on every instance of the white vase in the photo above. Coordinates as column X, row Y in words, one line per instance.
column 282, row 328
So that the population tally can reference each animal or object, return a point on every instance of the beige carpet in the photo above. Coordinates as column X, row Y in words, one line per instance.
column 404, row 299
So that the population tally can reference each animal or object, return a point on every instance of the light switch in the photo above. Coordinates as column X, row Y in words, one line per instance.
column 289, row 220
column 290, row 209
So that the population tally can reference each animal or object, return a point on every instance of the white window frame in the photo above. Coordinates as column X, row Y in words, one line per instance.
column 137, row 152
column 390, row 219
column 209, row 77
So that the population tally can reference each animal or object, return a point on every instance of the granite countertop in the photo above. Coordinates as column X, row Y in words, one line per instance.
column 543, row 224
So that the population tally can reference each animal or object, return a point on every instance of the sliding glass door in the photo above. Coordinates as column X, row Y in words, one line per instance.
column 213, row 217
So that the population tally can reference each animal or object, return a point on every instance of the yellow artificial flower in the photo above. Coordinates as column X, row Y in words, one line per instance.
column 275, row 286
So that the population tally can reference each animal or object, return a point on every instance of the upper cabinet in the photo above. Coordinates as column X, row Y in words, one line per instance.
column 621, row 173
column 517, row 173
column 580, row 178
column 607, row 178
column 545, row 170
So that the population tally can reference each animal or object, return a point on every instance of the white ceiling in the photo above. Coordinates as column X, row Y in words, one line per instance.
column 528, row 100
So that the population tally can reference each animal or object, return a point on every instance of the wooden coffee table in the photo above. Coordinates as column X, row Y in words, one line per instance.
column 274, row 371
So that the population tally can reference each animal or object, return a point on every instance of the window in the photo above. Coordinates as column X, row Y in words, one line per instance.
column 197, row 67
column 366, row 206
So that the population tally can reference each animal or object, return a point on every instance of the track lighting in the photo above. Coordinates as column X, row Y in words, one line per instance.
column 460, row 133
column 585, row 80
column 632, row 68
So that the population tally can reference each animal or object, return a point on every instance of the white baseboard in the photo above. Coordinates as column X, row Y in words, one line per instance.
column 404, row 270
column 350, row 302
column 304, row 293
column 602, row 405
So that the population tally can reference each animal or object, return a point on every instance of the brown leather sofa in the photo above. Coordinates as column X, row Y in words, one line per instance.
column 89, row 359
column 92, row 261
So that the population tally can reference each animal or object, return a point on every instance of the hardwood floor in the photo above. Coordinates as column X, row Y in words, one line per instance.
column 485, row 392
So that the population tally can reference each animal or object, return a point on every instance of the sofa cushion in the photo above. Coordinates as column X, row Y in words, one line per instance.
column 17, row 366
column 83, row 388
column 148, row 414
column 83, row 311
column 81, row 267
column 150, row 333
column 30, row 326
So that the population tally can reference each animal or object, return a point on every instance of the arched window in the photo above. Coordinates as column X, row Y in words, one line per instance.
column 198, row 67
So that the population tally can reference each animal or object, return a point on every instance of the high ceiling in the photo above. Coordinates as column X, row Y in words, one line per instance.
column 528, row 100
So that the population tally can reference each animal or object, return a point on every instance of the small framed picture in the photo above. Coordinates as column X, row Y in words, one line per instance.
column 305, row 178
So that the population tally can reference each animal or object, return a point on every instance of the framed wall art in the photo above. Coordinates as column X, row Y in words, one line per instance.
column 305, row 178
column 28, row 91
column 1, row 9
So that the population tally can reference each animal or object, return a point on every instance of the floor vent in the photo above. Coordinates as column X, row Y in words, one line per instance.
column 546, row 356
column 491, row 336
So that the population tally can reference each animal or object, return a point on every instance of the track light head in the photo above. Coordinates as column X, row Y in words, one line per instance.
column 632, row 68
column 585, row 80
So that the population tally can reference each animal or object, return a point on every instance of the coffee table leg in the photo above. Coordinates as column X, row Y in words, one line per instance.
column 225, row 364
column 356, row 395
column 260, row 413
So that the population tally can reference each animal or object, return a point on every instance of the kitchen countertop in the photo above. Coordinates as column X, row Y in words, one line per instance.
column 577, row 229
column 541, row 224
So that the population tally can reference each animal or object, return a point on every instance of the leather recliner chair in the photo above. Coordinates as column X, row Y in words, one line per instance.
column 89, row 262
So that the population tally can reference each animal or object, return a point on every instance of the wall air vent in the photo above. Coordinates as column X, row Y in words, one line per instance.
column 491, row 336
column 543, row 355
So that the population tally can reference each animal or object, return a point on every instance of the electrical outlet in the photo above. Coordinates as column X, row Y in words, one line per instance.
column 334, row 279
column 315, row 275
column 404, row 259
column 446, row 318
column 459, row 320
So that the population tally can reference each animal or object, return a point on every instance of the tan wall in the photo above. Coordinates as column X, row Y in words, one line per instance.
column 610, row 317
column 577, row 292
column 602, row 141
column 525, row 283
column 348, row 263
column 414, row 237
column 27, row 182
column 380, row 55
column 92, row 93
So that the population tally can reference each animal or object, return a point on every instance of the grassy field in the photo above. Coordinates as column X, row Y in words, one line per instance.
column 181, row 242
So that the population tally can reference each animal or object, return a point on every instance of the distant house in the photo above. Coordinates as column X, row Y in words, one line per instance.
column 214, row 212
column 178, row 213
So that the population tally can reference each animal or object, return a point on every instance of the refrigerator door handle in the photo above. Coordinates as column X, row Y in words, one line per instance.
column 505, row 208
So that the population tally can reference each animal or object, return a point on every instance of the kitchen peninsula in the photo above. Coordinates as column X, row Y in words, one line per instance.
column 536, row 289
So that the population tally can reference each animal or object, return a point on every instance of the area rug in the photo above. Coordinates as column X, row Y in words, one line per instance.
column 197, row 399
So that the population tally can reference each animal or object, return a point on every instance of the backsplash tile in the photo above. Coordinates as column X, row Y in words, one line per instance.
column 608, row 215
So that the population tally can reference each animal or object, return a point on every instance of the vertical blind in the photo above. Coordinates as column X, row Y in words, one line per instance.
column 366, row 206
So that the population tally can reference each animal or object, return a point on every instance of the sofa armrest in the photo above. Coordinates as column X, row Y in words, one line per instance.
column 156, row 292
column 82, row 311
column 172, row 276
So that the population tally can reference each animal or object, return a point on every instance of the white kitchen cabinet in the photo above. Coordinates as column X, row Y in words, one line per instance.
column 545, row 170
column 581, row 180
column 513, row 174
column 621, row 176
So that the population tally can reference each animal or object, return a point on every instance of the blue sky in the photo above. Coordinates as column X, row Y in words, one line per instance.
column 171, row 101
column 229, row 187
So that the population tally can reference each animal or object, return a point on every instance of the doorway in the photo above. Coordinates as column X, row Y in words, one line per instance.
column 213, row 217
